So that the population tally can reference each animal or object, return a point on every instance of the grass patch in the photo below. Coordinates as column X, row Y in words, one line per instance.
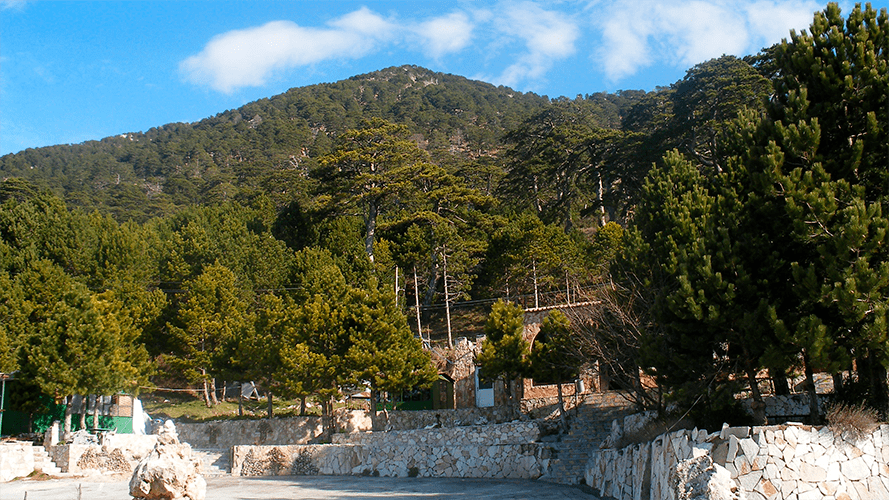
column 186, row 407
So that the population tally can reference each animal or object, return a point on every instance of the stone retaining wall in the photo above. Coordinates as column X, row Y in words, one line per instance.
column 501, row 434
column 406, row 420
column 782, row 462
column 118, row 453
column 16, row 460
column 224, row 434
column 784, row 408
column 493, row 451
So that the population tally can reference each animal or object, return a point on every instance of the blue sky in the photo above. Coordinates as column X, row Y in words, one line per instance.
column 77, row 71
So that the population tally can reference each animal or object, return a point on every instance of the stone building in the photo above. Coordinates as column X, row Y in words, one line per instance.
column 458, row 370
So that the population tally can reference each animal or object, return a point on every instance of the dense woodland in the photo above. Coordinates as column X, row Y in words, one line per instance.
column 731, row 223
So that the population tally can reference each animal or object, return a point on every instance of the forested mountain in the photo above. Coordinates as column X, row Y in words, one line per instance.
column 312, row 240
column 269, row 146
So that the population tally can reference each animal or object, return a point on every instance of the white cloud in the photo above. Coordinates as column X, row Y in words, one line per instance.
column 17, row 5
column 685, row 33
column 446, row 34
column 251, row 56
column 769, row 22
column 548, row 36
column 365, row 22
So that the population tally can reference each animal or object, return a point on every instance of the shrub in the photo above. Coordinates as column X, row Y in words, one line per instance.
column 653, row 429
column 850, row 421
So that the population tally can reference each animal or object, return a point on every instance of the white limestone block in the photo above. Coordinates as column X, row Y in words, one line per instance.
column 810, row 495
column 750, row 448
column 876, row 488
column 788, row 474
column 750, row 480
column 828, row 488
column 790, row 435
column 855, row 469
column 812, row 473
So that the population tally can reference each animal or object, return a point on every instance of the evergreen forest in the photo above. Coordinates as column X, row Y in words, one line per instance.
column 731, row 228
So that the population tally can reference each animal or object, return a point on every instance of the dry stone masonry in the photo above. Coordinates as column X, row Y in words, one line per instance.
column 781, row 462
column 496, row 451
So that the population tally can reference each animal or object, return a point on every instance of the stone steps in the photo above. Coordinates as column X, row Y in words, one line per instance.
column 590, row 424
column 214, row 462
column 43, row 462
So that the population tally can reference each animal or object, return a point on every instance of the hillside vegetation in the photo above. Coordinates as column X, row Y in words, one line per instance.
column 340, row 235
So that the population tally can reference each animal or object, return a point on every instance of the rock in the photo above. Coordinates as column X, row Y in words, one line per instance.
column 700, row 479
column 169, row 472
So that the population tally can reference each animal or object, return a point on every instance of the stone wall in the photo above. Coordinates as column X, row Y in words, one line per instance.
column 793, row 407
column 406, row 420
column 117, row 453
column 224, row 434
column 16, row 460
column 781, row 462
column 493, row 451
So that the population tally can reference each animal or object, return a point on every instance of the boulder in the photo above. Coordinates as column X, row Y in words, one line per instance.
column 169, row 472
column 700, row 479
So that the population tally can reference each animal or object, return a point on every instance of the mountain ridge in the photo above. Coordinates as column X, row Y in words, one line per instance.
column 268, row 146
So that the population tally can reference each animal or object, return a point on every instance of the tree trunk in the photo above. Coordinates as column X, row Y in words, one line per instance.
column 879, row 385
column 562, row 423
column 811, row 390
column 838, row 384
column 325, row 420
column 447, row 298
column 417, row 305
column 96, row 414
column 270, row 410
column 84, row 407
column 779, row 380
column 758, row 406
column 69, row 413
column 600, row 194
column 213, row 391
column 302, row 405
column 373, row 410
column 536, row 298
column 206, row 389
column 240, row 402
column 370, row 228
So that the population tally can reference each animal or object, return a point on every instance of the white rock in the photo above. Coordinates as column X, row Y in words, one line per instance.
column 168, row 472
column 699, row 478
column 811, row 473
column 855, row 470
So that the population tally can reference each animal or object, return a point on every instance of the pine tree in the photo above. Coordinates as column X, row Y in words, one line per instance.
column 504, row 351
column 370, row 171
column 382, row 351
column 551, row 357
column 211, row 319
column 819, row 161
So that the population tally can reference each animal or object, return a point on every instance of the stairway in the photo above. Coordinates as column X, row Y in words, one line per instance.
column 43, row 462
column 214, row 462
column 590, row 424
